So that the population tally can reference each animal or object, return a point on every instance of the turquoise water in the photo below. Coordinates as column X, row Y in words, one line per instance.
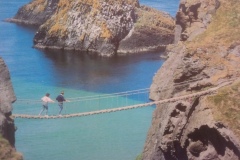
column 111, row 136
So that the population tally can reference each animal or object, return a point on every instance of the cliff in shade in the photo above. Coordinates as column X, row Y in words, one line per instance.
column 206, row 53
column 106, row 27
column 7, row 127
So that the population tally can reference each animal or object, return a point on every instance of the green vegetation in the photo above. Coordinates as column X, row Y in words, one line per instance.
column 131, row 2
column 152, row 18
column 7, row 152
column 139, row 157
column 224, row 29
column 58, row 25
column 37, row 6
column 226, row 106
column 221, row 33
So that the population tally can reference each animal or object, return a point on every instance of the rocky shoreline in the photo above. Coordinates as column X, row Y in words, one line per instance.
column 21, row 22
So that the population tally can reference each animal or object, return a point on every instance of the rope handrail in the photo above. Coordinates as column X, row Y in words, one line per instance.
column 95, row 96
column 124, row 108
column 118, row 93
column 106, row 97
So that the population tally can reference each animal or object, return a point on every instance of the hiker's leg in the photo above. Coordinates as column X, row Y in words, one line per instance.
column 42, row 110
column 46, row 107
column 61, row 107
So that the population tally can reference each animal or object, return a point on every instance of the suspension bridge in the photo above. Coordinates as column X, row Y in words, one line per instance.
column 116, row 95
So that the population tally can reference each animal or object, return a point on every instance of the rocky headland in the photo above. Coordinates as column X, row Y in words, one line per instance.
column 7, row 126
column 99, row 26
column 206, row 53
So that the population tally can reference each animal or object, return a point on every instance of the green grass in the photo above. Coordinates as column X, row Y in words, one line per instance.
column 152, row 18
column 139, row 157
column 7, row 152
column 226, row 106
column 224, row 29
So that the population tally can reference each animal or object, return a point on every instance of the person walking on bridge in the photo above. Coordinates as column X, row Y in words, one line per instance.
column 60, row 98
column 45, row 101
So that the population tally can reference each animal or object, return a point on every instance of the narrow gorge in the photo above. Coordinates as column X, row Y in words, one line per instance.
column 202, row 46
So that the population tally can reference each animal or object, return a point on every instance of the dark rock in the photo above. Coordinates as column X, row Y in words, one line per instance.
column 35, row 13
column 7, row 97
column 7, row 126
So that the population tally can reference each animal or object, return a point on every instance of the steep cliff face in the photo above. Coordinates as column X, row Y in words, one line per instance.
column 152, row 31
column 7, row 127
column 193, row 18
column 205, row 54
column 106, row 27
column 87, row 25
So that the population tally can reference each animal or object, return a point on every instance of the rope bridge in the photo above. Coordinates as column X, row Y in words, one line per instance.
column 121, row 94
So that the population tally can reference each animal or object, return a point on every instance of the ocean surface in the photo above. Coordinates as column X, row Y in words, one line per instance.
column 110, row 136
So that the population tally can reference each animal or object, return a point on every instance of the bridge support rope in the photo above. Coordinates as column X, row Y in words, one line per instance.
column 174, row 99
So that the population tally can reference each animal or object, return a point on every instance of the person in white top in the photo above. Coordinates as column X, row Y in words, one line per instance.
column 45, row 101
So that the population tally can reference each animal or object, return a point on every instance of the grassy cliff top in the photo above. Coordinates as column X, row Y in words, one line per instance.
column 36, row 6
column 224, row 30
column 226, row 106
column 221, row 34
column 152, row 18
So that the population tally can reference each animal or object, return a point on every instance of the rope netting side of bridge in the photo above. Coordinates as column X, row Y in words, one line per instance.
column 80, row 99
column 86, row 104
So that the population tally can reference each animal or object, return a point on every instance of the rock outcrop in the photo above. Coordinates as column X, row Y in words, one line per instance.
column 35, row 13
column 193, row 18
column 104, row 27
column 152, row 31
column 7, row 127
column 205, row 54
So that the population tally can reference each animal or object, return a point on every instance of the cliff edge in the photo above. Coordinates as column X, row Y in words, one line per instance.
column 100, row 26
column 206, row 53
column 7, row 127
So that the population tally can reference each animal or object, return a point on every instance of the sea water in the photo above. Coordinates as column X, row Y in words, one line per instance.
column 109, row 136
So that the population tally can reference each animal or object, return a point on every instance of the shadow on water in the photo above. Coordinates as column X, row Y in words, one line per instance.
column 91, row 72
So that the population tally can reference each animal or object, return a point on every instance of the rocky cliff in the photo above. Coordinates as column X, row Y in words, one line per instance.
column 7, row 127
column 105, row 27
column 205, row 54
column 35, row 13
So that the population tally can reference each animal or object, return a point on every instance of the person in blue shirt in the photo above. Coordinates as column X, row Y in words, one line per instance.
column 60, row 98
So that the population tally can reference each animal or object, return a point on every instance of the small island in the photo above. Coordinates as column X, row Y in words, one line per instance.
column 102, row 27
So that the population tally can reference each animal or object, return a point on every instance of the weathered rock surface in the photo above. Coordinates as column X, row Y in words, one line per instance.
column 35, row 13
column 104, row 27
column 7, row 127
column 188, row 129
column 152, row 31
column 193, row 18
